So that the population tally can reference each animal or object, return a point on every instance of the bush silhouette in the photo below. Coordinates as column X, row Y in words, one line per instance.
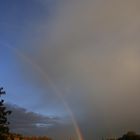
column 4, row 129
column 130, row 136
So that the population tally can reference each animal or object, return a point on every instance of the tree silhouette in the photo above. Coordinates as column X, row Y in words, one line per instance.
column 4, row 129
column 130, row 136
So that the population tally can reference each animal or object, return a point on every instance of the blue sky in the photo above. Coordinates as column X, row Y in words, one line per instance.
column 16, row 18
column 64, row 61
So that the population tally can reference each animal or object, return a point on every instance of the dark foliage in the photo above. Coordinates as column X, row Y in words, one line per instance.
column 4, row 129
column 130, row 136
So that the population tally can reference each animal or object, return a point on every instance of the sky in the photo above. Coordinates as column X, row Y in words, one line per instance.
column 71, row 68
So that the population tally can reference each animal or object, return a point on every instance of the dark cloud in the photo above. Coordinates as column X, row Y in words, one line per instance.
column 22, row 118
column 30, row 123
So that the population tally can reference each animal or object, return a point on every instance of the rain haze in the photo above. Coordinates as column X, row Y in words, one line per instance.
column 71, row 68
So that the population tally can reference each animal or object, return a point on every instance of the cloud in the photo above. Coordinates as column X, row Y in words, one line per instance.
column 23, row 120
column 29, row 123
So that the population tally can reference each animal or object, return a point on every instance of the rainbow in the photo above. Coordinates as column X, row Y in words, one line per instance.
column 37, row 67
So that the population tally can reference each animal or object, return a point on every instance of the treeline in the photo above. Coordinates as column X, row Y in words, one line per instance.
column 128, row 136
column 13, row 136
column 36, row 138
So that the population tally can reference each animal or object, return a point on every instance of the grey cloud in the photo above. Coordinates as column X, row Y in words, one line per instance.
column 24, row 121
column 29, row 123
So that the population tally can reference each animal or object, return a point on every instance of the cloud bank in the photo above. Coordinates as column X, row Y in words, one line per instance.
column 29, row 123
